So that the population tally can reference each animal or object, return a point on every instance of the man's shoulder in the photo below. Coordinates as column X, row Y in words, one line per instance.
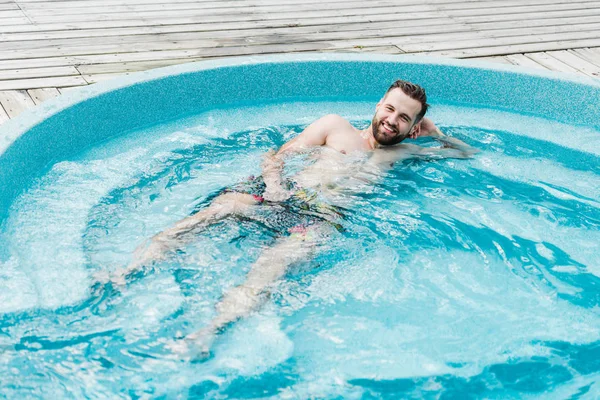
column 334, row 120
column 335, row 124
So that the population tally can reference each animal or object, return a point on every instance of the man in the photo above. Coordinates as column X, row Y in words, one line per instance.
column 349, row 159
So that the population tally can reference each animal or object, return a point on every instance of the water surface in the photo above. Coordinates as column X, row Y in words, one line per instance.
column 452, row 278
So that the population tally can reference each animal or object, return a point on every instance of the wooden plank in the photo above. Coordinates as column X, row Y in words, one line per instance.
column 185, row 55
column 495, row 59
column 524, row 61
column 23, row 84
column 95, row 7
column 245, row 3
column 134, row 66
column 96, row 72
column 6, row 23
column 9, row 6
column 588, row 54
column 68, row 89
column 576, row 62
column 36, row 63
column 283, row 21
column 525, row 16
column 201, row 47
column 3, row 115
column 514, row 49
column 217, row 2
column 594, row 50
column 195, row 54
column 251, row 28
column 428, row 41
column 221, row 47
column 40, row 95
column 206, row 4
column 367, row 49
column 15, row 102
column 100, row 59
column 535, row 21
column 235, row 29
column 73, row 13
column 288, row 35
column 191, row 55
column 26, row 5
column 523, row 9
column 44, row 72
column 550, row 62
column 165, row 17
column 233, row 16
column 6, row 14
column 497, row 6
column 293, row 21
column 227, row 38
column 103, row 77
column 73, row 6
column 500, row 41
column 229, row 29
column 92, row 7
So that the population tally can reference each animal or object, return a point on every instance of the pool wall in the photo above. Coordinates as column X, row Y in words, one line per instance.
column 66, row 125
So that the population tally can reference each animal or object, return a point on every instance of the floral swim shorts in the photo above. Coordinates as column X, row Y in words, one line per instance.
column 294, row 216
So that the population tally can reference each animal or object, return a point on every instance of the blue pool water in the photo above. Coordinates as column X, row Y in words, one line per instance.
column 452, row 278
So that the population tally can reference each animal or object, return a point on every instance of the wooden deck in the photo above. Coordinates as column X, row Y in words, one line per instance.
column 49, row 46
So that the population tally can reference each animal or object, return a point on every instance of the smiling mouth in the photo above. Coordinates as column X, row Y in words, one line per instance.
column 387, row 129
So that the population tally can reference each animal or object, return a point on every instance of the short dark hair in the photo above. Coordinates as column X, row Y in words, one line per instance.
column 413, row 91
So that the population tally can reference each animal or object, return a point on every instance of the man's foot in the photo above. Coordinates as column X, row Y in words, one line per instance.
column 117, row 278
column 143, row 256
column 194, row 347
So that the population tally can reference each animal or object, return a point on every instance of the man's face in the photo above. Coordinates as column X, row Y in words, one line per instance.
column 395, row 117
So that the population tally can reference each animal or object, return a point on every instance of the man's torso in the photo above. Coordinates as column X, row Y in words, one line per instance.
column 347, row 165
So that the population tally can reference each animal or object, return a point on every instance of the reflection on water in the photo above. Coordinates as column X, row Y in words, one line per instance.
column 450, row 278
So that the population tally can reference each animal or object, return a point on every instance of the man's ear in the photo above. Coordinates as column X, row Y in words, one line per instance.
column 415, row 130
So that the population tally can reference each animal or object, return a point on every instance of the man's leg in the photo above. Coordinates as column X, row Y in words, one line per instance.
column 223, row 206
column 241, row 300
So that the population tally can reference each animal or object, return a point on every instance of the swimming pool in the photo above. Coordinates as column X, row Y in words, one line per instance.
column 452, row 277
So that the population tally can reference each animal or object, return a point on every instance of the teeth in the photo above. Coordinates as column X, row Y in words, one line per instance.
column 387, row 128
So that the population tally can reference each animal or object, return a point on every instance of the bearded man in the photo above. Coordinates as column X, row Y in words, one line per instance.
column 345, row 161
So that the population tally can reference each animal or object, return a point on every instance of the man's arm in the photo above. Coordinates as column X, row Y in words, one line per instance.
column 451, row 147
column 314, row 135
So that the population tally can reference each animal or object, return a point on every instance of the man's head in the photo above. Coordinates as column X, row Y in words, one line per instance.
column 397, row 115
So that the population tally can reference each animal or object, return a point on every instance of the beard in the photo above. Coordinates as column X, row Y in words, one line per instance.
column 384, row 139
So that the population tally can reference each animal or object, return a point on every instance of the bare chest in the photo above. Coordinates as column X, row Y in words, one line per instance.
column 347, row 141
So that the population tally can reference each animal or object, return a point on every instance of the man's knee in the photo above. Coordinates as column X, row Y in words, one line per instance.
column 240, row 298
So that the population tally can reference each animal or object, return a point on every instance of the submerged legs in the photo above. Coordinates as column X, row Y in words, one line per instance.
column 241, row 300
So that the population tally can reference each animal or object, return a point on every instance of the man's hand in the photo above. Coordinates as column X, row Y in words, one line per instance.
column 271, row 169
column 451, row 147
column 426, row 127
column 274, row 193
